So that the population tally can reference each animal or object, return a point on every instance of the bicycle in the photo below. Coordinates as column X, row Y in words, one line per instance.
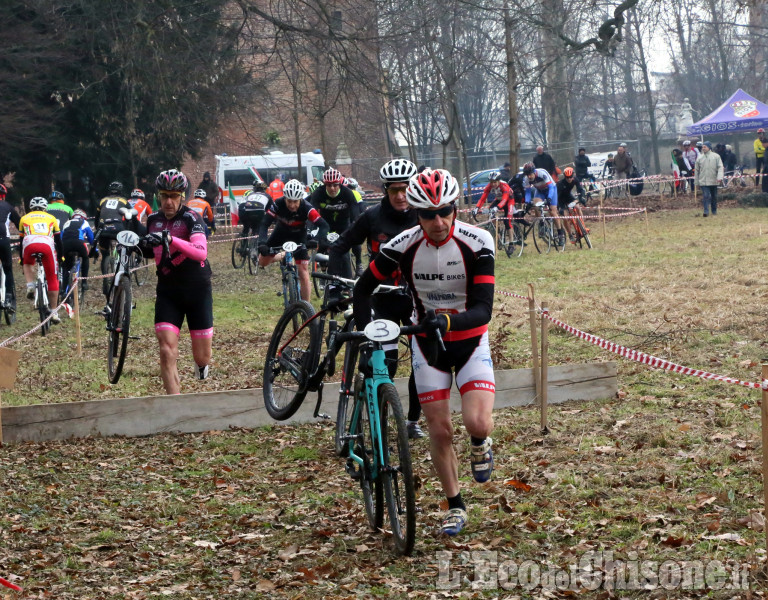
column 373, row 431
column 120, row 304
column 521, row 228
column 291, row 292
column 319, row 264
column 140, row 269
column 491, row 227
column 41, row 295
column 734, row 176
column 245, row 248
column 108, row 256
column 7, row 301
column 580, row 230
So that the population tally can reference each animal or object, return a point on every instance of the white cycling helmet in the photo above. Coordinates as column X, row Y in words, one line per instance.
column 199, row 193
column 352, row 183
column 398, row 170
column 294, row 190
column 38, row 203
column 432, row 189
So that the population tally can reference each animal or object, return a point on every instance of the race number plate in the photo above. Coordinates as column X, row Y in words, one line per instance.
column 382, row 330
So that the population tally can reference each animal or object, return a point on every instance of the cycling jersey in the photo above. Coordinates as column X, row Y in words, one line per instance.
column 251, row 211
column 38, row 224
column 290, row 226
column 77, row 230
column 565, row 191
column 141, row 207
column 455, row 277
column 202, row 208
column 61, row 211
column 187, row 266
column 8, row 215
column 40, row 233
column 501, row 193
column 542, row 186
column 109, row 209
column 376, row 226
column 338, row 212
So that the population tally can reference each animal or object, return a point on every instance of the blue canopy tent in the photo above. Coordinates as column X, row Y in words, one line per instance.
column 741, row 112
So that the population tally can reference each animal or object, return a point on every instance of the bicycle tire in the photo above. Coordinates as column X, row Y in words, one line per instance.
column 107, row 267
column 285, row 377
column 293, row 292
column 318, row 284
column 542, row 235
column 346, row 389
column 42, row 306
column 372, row 489
column 516, row 245
column 397, row 478
column 141, row 274
column 583, row 235
column 238, row 256
column 119, row 329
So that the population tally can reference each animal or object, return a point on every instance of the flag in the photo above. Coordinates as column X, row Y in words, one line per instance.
column 154, row 203
column 232, row 206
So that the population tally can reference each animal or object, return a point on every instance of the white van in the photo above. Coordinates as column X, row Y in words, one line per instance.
column 238, row 172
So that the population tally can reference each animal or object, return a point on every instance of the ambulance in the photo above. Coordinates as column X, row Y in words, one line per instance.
column 237, row 173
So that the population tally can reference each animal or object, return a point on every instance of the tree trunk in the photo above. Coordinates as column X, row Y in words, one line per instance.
column 514, row 138
column 647, row 92
column 296, row 133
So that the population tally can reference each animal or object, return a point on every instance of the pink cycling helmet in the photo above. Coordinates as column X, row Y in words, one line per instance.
column 332, row 176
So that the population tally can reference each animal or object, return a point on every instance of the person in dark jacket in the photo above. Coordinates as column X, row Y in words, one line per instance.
column 210, row 188
column 581, row 164
column 543, row 160
column 377, row 226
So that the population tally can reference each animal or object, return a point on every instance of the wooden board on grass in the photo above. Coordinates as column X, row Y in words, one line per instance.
column 191, row 413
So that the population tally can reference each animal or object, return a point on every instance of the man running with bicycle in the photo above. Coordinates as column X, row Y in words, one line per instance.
column 449, row 266
column 290, row 215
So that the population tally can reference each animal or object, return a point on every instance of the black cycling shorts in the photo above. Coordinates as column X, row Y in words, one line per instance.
column 277, row 239
column 196, row 304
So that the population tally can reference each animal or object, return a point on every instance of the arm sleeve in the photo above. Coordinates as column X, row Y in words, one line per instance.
column 383, row 266
column 480, row 299
column 483, row 197
column 15, row 218
column 268, row 219
column 322, row 224
column 57, row 243
column 88, row 234
column 196, row 248
column 354, row 235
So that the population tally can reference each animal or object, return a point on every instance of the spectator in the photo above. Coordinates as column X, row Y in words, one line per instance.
column 690, row 154
column 543, row 160
column 760, row 144
column 622, row 165
column 506, row 172
column 729, row 159
column 581, row 164
column 680, row 165
column 709, row 174
column 209, row 186
column 275, row 189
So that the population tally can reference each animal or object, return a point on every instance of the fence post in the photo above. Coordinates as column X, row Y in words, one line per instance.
column 544, row 368
column 76, row 302
column 764, row 427
column 534, row 342
column 645, row 212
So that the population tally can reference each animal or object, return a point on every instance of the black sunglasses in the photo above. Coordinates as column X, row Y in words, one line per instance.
column 429, row 215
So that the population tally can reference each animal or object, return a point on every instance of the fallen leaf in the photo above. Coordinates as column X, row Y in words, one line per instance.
column 265, row 585
column 206, row 544
column 604, row 450
column 518, row 485
column 674, row 542
column 235, row 574
column 684, row 427
column 288, row 553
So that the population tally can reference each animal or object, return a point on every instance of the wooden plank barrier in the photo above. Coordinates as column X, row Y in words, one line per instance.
column 193, row 413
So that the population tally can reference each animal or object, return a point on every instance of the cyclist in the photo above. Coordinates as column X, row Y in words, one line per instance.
column 252, row 209
column 200, row 205
column 138, row 202
column 539, row 184
column 338, row 206
column 449, row 266
column 76, row 238
column 290, row 215
column 176, row 240
column 109, row 217
column 40, row 232
column 58, row 208
column 503, row 197
column 8, row 215
column 565, row 189
column 608, row 169
column 377, row 226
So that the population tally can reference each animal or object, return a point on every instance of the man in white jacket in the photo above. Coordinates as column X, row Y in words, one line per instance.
column 708, row 175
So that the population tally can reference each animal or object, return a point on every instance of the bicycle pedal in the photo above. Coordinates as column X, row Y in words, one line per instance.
column 323, row 416
column 134, row 337
column 353, row 470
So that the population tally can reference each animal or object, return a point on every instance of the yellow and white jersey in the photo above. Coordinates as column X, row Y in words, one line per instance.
column 38, row 226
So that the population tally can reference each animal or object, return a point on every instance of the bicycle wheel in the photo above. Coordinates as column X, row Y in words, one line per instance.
column 291, row 357
column 542, row 235
column 293, row 289
column 253, row 264
column 10, row 308
column 373, row 491
column 344, row 410
column 41, row 290
column 107, row 267
column 141, row 273
column 517, row 241
column 119, row 325
column 397, row 475
column 583, row 235
column 318, row 284
column 238, row 253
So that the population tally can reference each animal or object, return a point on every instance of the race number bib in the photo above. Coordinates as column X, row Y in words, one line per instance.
column 112, row 203
column 40, row 228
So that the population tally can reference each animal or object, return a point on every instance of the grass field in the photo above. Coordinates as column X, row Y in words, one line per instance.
column 668, row 471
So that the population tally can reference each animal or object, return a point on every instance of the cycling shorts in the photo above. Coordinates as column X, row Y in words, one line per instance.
column 109, row 233
column 277, row 239
column 75, row 247
column 470, row 359
column 196, row 304
column 44, row 246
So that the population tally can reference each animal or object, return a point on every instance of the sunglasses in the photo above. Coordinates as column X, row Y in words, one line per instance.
column 429, row 215
column 169, row 195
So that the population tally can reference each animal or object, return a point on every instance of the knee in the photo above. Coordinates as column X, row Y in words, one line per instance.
column 441, row 431
column 479, row 424
column 168, row 352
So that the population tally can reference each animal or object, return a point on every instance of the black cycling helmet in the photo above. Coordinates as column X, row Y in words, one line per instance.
column 115, row 187
column 259, row 185
column 528, row 168
column 56, row 196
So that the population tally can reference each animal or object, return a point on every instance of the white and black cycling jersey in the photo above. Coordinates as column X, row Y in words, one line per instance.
column 454, row 277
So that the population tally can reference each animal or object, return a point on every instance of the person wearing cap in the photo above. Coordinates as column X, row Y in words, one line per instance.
column 708, row 174
column 622, row 166
column 729, row 160
column 207, row 185
column 760, row 144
